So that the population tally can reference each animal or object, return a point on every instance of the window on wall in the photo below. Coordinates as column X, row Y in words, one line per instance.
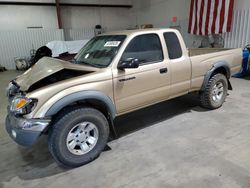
column 146, row 48
column 173, row 45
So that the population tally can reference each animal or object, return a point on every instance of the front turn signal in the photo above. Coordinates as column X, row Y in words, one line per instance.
column 21, row 103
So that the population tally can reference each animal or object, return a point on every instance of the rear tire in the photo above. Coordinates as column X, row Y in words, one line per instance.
column 215, row 92
column 78, row 136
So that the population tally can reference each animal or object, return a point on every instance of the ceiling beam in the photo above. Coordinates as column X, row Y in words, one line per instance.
column 63, row 4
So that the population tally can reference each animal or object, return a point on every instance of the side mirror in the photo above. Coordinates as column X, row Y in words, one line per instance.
column 130, row 63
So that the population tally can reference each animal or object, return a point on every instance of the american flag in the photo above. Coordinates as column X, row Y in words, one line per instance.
column 210, row 16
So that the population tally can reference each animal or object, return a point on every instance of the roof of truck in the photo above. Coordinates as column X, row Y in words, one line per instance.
column 135, row 31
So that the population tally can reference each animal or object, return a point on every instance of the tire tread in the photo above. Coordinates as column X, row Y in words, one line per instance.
column 205, row 95
column 56, row 130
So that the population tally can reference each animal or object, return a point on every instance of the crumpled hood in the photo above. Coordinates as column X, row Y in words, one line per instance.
column 46, row 67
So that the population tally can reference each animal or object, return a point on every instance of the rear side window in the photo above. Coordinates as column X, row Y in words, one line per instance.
column 146, row 48
column 173, row 45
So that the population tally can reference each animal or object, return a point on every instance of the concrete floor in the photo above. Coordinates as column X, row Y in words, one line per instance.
column 178, row 144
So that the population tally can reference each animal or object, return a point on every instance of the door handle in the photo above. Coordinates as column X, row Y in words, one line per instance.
column 127, row 79
column 163, row 70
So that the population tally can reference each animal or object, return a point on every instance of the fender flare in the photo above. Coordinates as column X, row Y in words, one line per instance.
column 217, row 65
column 82, row 95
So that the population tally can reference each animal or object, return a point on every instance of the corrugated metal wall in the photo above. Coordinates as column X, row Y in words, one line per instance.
column 78, row 34
column 239, row 37
column 19, row 43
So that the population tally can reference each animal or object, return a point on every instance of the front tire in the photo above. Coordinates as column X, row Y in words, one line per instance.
column 215, row 92
column 78, row 136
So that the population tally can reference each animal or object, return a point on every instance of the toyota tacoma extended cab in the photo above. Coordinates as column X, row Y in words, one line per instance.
column 76, row 102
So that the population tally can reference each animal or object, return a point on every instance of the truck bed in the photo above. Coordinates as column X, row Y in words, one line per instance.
column 201, row 51
column 202, row 59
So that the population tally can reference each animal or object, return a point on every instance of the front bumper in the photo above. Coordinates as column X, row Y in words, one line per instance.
column 25, row 131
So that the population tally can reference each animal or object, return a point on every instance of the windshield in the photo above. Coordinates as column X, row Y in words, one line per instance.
column 100, row 51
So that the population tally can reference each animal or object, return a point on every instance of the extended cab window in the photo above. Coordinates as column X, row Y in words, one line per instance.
column 146, row 48
column 173, row 45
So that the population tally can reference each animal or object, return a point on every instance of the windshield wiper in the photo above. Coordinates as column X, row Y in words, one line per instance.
column 100, row 65
column 85, row 63
column 91, row 64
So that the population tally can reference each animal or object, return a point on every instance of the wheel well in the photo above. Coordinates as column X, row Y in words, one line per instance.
column 97, row 104
column 225, row 72
column 221, row 70
column 93, row 103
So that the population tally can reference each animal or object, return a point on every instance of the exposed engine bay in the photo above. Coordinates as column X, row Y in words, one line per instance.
column 61, row 75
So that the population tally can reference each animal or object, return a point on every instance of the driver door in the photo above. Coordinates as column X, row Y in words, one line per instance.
column 147, row 84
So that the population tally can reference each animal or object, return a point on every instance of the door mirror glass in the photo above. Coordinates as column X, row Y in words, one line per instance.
column 130, row 63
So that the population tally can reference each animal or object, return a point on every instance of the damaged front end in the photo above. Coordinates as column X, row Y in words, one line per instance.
column 47, row 71
column 12, row 90
column 23, row 131
column 61, row 75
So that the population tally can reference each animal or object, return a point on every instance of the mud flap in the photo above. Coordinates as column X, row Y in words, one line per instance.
column 229, row 85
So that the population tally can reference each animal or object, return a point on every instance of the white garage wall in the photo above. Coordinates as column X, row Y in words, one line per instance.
column 16, row 40
column 19, row 43
column 107, row 2
column 160, row 13
column 84, row 19
column 239, row 37
column 80, row 21
column 241, row 4
column 20, row 17
column 37, row 1
column 117, row 2
column 117, row 19
column 88, row 17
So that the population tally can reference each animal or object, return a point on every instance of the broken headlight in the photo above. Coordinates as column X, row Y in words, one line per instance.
column 22, row 105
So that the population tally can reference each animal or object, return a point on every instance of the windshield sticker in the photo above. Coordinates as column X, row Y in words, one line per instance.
column 86, row 56
column 112, row 44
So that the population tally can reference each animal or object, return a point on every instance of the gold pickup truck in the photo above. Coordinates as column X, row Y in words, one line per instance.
column 76, row 102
